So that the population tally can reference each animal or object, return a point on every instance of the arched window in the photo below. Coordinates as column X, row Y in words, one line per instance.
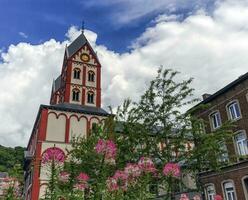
column 76, row 73
column 53, row 154
column 215, row 120
column 90, row 97
column 241, row 143
column 233, row 110
column 91, row 76
column 229, row 190
column 75, row 95
column 210, row 192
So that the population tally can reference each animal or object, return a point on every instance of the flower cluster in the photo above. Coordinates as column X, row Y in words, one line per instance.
column 82, row 179
column 171, row 169
column 147, row 165
column 53, row 154
column 64, row 177
column 217, row 197
column 106, row 148
column 130, row 174
column 118, row 181
column 132, row 170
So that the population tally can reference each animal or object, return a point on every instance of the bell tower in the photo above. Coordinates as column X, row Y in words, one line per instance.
column 80, row 79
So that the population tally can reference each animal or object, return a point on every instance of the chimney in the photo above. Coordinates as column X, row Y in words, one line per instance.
column 205, row 96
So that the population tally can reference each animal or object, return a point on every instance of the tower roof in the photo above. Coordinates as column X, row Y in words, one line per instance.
column 76, row 45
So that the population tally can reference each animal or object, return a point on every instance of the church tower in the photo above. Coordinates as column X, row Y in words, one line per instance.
column 80, row 79
column 75, row 105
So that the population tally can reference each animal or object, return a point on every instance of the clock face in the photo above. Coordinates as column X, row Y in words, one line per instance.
column 85, row 57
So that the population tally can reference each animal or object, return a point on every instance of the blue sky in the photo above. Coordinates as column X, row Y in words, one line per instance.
column 203, row 39
column 117, row 23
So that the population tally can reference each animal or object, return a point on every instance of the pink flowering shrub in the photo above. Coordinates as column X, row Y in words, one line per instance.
column 146, row 165
column 217, row 197
column 171, row 169
column 106, row 148
column 64, row 177
column 53, row 154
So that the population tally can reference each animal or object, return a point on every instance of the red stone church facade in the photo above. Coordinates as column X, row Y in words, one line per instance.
column 75, row 105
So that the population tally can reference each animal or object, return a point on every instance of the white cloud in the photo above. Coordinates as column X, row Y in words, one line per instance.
column 24, row 35
column 129, row 10
column 212, row 49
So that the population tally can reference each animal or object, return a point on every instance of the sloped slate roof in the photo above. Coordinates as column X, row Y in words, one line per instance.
column 57, row 83
column 76, row 45
column 223, row 90
column 78, row 108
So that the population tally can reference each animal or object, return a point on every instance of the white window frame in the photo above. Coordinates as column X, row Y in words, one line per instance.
column 225, row 193
column 244, row 143
column 245, row 191
column 215, row 113
column 234, row 115
column 211, row 196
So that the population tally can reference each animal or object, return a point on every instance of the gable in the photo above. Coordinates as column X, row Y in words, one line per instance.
column 80, row 46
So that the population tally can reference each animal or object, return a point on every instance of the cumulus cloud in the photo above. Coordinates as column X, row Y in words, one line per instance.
column 211, row 48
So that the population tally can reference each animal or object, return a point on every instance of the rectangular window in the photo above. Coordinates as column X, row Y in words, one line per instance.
column 215, row 120
column 234, row 111
column 241, row 144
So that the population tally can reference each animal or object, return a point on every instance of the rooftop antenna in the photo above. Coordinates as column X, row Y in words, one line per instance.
column 82, row 28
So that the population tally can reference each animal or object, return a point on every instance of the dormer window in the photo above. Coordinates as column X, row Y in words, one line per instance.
column 91, row 76
column 90, row 97
column 75, row 95
column 76, row 73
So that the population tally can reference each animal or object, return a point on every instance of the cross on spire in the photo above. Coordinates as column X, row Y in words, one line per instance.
column 82, row 28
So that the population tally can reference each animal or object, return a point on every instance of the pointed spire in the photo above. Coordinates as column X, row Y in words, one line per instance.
column 53, row 85
column 82, row 28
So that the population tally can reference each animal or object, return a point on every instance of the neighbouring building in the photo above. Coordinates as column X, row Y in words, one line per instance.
column 75, row 105
column 229, row 103
column 7, row 182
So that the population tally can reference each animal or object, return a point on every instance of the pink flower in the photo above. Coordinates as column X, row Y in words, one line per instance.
column 80, row 186
column 106, row 148
column 100, row 146
column 110, row 149
column 118, row 181
column 82, row 177
column 184, row 197
column 147, row 165
column 132, row 170
column 171, row 169
column 217, row 197
column 64, row 177
column 53, row 154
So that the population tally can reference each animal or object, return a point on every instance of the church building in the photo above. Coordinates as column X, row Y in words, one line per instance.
column 75, row 105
